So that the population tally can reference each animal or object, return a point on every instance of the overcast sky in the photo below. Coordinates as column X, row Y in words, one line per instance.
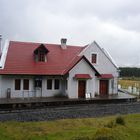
column 113, row 24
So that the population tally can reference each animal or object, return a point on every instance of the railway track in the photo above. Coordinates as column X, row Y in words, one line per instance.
column 69, row 111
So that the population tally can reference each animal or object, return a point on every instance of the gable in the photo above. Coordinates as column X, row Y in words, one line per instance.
column 42, row 48
column 104, row 64
column 84, row 66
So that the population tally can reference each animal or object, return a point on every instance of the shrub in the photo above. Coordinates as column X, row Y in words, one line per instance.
column 120, row 120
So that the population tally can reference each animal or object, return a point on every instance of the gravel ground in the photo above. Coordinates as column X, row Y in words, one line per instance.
column 69, row 111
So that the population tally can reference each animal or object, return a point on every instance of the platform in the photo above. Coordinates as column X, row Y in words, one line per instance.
column 19, row 103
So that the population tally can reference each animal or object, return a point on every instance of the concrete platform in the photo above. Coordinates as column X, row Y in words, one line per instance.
column 40, row 102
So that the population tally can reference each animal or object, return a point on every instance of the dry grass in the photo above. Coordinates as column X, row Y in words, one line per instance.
column 126, row 83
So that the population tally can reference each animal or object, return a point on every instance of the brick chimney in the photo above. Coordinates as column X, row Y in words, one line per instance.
column 63, row 43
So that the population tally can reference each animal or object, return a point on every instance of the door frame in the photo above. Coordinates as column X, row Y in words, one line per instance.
column 85, row 85
column 107, row 87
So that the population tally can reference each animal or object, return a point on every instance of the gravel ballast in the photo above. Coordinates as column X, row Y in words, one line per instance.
column 70, row 111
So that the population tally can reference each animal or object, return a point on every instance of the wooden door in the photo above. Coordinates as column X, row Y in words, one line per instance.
column 81, row 88
column 103, row 87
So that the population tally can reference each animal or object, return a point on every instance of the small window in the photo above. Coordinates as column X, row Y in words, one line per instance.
column 56, row 84
column 40, row 53
column 41, row 56
column 49, row 84
column 17, row 84
column 38, row 83
column 94, row 58
column 26, row 84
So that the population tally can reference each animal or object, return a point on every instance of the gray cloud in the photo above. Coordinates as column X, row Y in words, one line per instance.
column 114, row 24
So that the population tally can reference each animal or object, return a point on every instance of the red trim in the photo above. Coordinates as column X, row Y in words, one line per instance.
column 82, row 76
column 106, row 76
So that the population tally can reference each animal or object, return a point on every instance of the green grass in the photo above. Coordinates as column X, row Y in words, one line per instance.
column 73, row 129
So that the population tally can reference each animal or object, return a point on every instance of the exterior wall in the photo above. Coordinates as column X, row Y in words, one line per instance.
column 103, row 65
column 9, row 82
column 81, row 68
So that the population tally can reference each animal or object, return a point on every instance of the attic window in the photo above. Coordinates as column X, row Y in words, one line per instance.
column 40, row 53
column 41, row 56
column 94, row 58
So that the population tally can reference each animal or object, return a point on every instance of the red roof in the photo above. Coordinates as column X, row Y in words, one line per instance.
column 106, row 76
column 82, row 76
column 20, row 59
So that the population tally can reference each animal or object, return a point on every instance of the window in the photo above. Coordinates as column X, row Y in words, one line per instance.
column 56, row 84
column 41, row 55
column 49, row 84
column 26, row 84
column 94, row 58
column 17, row 84
column 38, row 83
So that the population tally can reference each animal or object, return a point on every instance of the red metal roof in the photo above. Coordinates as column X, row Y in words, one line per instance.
column 106, row 76
column 82, row 76
column 20, row 59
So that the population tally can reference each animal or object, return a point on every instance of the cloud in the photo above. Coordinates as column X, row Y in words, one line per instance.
column 114, row 24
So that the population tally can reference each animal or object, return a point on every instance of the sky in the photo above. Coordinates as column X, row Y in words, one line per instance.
column 113, row 24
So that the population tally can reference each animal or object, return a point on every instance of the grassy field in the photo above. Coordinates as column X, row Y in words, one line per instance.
column 125, row 82
column 74, row 129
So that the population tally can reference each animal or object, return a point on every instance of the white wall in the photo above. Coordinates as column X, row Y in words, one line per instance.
column 52, row 92
column 81, row 68
column 9, row 82
column 104, row 65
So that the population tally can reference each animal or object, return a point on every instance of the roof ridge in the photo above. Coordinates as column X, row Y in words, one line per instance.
column 45, row 43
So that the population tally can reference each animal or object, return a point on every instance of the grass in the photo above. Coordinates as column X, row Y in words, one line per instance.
column 125, row 83
column 104, row 128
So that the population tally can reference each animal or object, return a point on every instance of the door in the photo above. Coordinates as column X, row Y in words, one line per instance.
column 103, row 87
column 38, row 88
column 81, row 88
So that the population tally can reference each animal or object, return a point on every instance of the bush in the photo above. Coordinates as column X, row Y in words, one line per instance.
column 120, row 120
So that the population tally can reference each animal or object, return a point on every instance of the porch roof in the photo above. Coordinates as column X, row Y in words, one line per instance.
column 82, row 76
column 106, row 76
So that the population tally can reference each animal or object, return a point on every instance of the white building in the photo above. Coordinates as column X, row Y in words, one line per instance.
column 44, row 70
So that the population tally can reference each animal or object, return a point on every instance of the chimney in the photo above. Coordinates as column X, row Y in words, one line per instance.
column 63, row 43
